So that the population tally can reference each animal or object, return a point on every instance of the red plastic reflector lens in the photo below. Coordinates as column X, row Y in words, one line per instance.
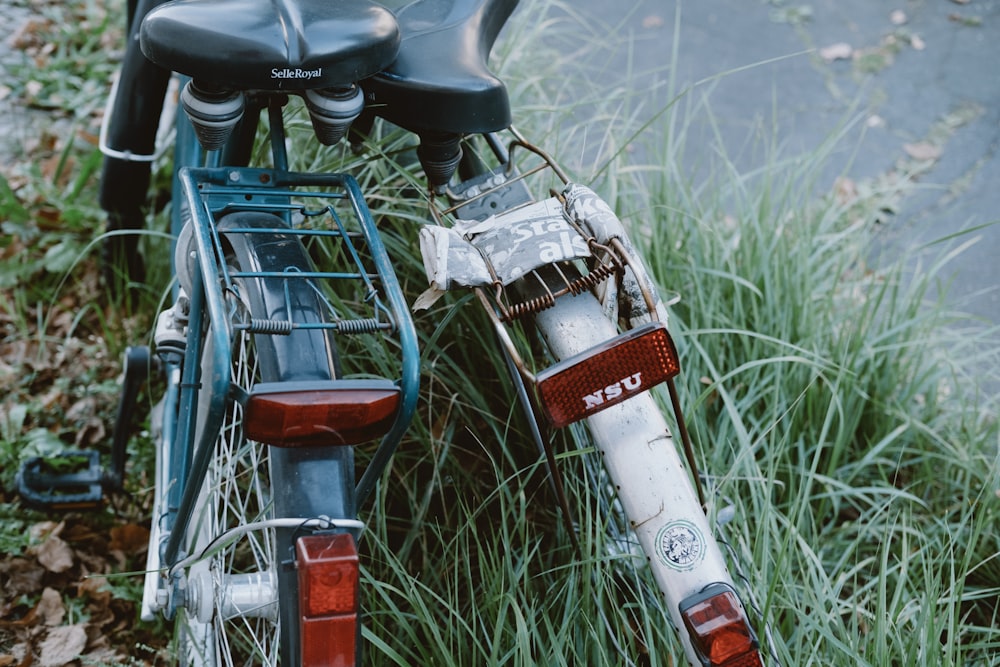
column 719, row 629
column 329, row 642
column 340, row 412
column 607, row 374
column 328, row 599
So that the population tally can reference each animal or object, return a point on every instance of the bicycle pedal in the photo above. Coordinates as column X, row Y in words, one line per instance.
column 65, row 481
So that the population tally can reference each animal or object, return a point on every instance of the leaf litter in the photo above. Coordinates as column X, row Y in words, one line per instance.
column 65, row 599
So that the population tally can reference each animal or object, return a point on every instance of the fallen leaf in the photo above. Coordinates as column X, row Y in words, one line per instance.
column 95, row 589
column 923, row 150
column 29, row 33
column 129, row 538
column 50, row 607
column 62, row 645
column 838, row 51
column 90, row 434
column 42, row 529
column 54, row 554
column 22, row 576
column 83, row 409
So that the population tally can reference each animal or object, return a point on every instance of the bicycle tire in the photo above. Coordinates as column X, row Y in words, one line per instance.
column 248, row 482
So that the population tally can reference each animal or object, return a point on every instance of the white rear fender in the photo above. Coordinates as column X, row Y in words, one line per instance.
column 643, row 463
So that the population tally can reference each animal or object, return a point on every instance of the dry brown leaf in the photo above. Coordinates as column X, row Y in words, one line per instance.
column 130, row 538
column 923, row 150
column 91, row 434
column 87, row 137
column 50, row 607
column 43, row 529
column 22, row 576
column 54, row 554
column 62, row 645
column 95, row 589
column 83, row 409
column 28, row 34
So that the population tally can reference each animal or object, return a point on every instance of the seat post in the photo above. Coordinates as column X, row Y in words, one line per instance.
column 439, row 154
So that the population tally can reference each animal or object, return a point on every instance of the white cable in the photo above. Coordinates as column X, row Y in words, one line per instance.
column 234, row 534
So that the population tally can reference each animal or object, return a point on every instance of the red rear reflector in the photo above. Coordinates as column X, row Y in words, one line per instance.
column 328, row 599
column 607, row 374
column 719, row 629
column 339, row 412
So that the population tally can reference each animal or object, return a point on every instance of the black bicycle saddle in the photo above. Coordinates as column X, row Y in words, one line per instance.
column 440, row 81
column 271, row 44
column 424, row 68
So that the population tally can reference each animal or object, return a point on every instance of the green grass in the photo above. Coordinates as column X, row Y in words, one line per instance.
column 830, row 391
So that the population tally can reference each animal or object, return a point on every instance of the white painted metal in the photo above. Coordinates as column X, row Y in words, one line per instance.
column 152, row 584
column 642, row 460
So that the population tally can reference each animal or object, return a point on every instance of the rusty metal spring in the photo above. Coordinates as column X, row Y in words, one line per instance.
column 529, row 307
column 593, row 278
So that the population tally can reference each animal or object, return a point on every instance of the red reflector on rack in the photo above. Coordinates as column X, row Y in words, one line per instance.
column 719, row 629
column 328, row 599
column 607, row 374
column 339, row 412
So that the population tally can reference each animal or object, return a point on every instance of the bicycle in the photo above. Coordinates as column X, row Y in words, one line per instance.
column 280, row 274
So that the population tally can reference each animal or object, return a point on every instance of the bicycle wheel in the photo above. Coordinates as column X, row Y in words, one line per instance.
column 242, row 605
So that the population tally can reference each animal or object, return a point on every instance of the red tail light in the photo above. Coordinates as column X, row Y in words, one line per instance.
column 607, row 374
column 719, row 630
column 339, row 412
column 328, row 599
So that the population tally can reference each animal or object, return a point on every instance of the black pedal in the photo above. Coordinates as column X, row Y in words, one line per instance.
column 69, row 480
column 76, row 479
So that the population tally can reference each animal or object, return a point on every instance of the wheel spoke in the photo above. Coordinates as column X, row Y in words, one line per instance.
column 238, row 623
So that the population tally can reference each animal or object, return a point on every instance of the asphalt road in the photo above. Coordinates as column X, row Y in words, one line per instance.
column 912, row 75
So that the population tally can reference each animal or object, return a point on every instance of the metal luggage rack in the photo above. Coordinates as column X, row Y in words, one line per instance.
column 327, row 212
column 507, row 188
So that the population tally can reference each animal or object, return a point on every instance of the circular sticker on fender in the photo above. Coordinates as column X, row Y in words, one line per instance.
column 680, row 545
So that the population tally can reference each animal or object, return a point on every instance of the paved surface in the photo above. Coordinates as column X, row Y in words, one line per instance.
column 917, row 73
